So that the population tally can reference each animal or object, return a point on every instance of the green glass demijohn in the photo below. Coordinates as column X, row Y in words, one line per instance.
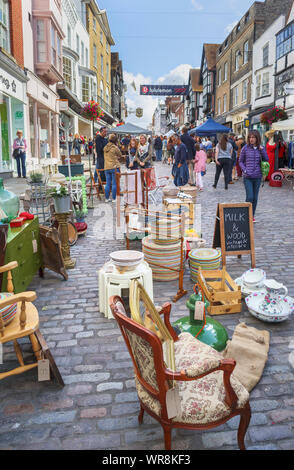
column 213, row 334
column 9, row 202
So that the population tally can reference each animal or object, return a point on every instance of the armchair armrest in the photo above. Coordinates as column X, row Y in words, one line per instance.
column 165, row 310
column 22, row 297
column 8, row 267
column 225, row 365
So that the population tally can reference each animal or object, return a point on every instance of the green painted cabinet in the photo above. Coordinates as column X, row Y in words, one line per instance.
column 23, row 246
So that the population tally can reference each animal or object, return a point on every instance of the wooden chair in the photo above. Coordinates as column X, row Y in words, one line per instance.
column 209, row 394
column 25, row 323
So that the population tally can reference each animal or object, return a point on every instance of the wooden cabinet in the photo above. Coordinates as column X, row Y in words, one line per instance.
column 23, row 246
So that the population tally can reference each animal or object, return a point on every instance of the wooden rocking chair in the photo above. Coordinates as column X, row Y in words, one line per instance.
column 209, row 394
column 25, row 323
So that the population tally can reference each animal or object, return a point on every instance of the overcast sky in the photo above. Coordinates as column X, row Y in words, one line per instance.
column 160, row 40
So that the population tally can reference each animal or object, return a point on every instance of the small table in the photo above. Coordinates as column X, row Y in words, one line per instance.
column 112, row 282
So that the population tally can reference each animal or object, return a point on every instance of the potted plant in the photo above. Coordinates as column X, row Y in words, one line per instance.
column 80, row 216
column 274, row 114
column 92, row 111
column 61, row 197
column 35, row 177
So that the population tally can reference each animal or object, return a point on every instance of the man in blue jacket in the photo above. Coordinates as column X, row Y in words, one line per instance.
column 190, row 145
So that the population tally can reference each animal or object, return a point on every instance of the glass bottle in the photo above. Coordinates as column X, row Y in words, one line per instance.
column 9, row 202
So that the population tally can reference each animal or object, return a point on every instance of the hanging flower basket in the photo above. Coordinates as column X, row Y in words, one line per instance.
column 275, row 114
column 92, row 111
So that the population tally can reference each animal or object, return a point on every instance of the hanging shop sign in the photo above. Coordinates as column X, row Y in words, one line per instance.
column 163, row 90
column 233, row 231
column 139, row 112
column 247, row 123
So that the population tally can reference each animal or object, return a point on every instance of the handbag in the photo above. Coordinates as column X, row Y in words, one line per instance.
column 16, row 153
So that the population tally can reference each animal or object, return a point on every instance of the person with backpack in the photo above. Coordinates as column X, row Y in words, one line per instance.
column 251, row 158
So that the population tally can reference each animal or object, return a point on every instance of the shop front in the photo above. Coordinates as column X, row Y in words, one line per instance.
column 238, row 122
column 255, row 124
column 43, row 118
column 12, row 111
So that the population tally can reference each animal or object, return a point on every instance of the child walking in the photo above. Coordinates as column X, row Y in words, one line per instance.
column 200, row 166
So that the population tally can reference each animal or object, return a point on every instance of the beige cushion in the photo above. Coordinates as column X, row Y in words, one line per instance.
column 202, row 400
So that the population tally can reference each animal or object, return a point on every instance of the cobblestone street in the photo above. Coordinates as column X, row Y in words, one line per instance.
column 98, row 407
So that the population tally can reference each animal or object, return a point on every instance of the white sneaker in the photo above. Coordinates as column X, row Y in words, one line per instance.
column 107, row 200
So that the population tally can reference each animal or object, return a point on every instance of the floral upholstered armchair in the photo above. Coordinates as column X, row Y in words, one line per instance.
column 209, row 394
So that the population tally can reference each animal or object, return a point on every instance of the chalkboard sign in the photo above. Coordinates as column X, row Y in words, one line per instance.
column 234, row 230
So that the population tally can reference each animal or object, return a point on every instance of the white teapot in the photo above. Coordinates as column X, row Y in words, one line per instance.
column 274, row 296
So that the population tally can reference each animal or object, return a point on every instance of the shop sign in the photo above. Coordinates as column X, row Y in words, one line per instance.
column 163, row 90
column 11, row 86
column 247, row 123
column 19, row 115
column 6, row 84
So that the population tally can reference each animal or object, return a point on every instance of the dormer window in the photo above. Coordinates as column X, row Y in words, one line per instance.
column 238, row 28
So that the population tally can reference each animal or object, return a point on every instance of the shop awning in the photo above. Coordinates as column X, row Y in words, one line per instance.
column 286, row 125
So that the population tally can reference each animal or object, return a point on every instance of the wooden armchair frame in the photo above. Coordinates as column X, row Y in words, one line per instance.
column 25, row 323
column 164, row 375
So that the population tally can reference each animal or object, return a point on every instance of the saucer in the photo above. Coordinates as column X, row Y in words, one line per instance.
column 248, row 290
column 254, row 303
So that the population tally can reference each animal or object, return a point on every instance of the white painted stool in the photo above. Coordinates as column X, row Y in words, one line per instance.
column 112, row 282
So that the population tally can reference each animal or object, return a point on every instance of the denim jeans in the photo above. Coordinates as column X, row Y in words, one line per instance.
column 158, row 153
column 252, row 186
column 110, row 181
column 21, row 165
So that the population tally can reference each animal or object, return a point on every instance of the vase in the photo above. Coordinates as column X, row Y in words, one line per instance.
column 9, row 202
column 62, row 204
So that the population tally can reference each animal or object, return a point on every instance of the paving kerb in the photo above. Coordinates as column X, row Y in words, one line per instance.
column 84, row 418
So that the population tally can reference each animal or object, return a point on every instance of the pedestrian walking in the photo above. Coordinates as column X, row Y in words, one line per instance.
column 19, row 153
column 234, row 157
column 70, row 142
column 180, row 169
column 143, row 156
column 164, row 150
column 100, row 143
column 190, row 146
column 200, row 166
column 240, row 142
column 170, row 151
column 252, row 154
column 77, row 144
column 112, row 155
column 223, row 156
column 158, row 148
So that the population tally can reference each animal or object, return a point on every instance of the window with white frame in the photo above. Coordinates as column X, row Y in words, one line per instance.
column 82, row 53
column 237, row 56
column 236, row 96
column 101, row 64
column 78, row 44
column 265, row 55
column 87, row 57
column 107, row 96
column 85, row 88
column 225, row 103
column 53, row 46
column 67, row 72
column 226, row 71
column 246, row 52
column 59, row 56
column 258, row 86
column 95, row 55
column 245, row 90
column 94, row 24
column 101, row 90
column 101, row 37
column 107, row 72
column 265, row 84
column 41, row 41
column 4, row 25
column 219, row 80
column 69, row 36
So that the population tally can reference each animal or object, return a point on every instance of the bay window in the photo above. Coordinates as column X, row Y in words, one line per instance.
column 85, row 89
column 67, row 72
column 41, row 42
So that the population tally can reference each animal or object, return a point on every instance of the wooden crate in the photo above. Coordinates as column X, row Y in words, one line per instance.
column 221, row 291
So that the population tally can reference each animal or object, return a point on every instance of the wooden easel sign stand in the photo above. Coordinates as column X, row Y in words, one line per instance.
column 234, row 232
